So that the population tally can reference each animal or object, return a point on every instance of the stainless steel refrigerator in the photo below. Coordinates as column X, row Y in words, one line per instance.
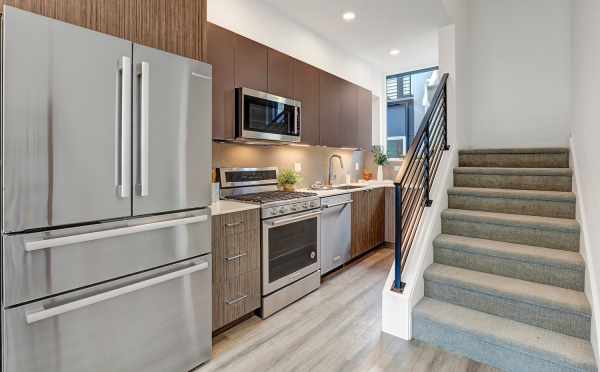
column 106, row 248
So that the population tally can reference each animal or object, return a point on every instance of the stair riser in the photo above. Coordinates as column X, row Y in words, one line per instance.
column 495, row 354
column 530, row 207
column 519, row 182
column 538, row 315
column 512, row 268
column 559, row 160
column 519, row 234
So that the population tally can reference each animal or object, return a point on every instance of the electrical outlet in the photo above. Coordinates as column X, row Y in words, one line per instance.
column 298, row 167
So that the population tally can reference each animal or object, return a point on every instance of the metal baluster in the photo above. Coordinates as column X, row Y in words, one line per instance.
column 398, row 286
column 445, row 105
column 428, row 201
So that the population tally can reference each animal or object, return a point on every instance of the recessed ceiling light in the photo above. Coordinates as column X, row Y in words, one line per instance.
column 394, row 52
column 349, row 16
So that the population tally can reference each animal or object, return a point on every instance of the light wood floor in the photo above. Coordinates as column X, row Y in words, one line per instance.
column 336, row 328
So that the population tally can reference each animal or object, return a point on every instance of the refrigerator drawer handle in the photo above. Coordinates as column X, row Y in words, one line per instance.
column 233, row 302
column 78, row 304
column 337, row 204
column 73, row 239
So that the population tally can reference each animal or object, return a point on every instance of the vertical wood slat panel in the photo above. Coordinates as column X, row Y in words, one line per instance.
column 106, row 16
column 175, row 26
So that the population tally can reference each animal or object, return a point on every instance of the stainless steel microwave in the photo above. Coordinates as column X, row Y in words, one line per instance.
column 264, row 116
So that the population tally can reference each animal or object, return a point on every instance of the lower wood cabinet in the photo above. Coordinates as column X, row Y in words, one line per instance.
column 236, row 266
column 368, row 220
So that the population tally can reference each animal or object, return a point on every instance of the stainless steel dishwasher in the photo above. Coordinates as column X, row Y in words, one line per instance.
column 336, row 233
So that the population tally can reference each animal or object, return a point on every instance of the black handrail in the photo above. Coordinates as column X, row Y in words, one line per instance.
column 416, row 175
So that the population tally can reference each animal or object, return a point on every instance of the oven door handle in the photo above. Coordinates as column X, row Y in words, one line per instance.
column 286, row 221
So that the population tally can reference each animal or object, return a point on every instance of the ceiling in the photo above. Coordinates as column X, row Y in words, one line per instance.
column 380, row 25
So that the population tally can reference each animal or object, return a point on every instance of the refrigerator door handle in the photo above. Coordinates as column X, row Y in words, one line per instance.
column 124, row 184
column 104, row 234
column 87, row 301
column 144, row 74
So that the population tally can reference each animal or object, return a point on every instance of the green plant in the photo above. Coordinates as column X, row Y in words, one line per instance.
column 379, row 156
column 288, row 177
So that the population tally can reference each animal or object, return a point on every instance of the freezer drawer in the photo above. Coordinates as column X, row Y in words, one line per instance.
column 44, row 264
column 66, row 123
column 156, row 321
column 336, row 221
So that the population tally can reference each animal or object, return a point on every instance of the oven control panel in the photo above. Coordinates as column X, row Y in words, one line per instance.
column 289, row 208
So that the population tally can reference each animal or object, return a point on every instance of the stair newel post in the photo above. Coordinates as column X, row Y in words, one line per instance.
column 398, row 238
column 426, row 174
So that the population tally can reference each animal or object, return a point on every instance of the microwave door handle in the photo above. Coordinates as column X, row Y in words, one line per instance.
column 297, row 121
column 124, row 127
column 91, row 300
column 144, row 75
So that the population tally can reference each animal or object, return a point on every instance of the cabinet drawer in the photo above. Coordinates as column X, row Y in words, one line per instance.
column 235, row 298
column 233, row 223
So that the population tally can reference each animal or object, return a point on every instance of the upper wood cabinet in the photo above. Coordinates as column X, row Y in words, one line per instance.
column 106, row 16
column 176, row 26
column 251, row 64
column 280, row 74
column 306, row 90
column 220, row 54
column 364, row 138
column 330, row 105
column 348, row 124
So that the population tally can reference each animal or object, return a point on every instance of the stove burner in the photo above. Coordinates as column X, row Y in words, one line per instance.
column 272, row 196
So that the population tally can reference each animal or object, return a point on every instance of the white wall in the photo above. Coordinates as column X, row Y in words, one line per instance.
column 513, row 65
column 585, row 124
column 260, row 22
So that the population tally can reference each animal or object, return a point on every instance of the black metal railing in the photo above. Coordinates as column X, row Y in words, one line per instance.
column 415, row 178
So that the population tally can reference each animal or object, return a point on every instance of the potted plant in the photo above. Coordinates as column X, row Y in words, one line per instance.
column 287, row 179
column 380, row 159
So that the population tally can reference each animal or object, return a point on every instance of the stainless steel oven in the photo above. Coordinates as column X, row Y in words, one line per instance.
column 291, row 249
column 263, row 116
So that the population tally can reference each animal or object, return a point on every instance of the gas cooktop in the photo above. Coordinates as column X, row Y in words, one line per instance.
column 271, row 196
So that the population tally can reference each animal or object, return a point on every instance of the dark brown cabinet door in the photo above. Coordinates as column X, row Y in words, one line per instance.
column 360, row 215
column 376, row 217
column 306, row 90
column 348, row 114
column 220, row 54
column 251, row 64
column 106, row 16
column 175, row 26
column 330, row 104
column 280, row 74
column 365, row 118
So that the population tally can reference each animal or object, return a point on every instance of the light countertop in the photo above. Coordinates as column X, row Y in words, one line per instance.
column 230, row 206
column 364, row 186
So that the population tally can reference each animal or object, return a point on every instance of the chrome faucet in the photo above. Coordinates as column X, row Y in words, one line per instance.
column 331, row 176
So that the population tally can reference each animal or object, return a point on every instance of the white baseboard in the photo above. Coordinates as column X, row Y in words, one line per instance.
column 397, row 307
column 591, row 281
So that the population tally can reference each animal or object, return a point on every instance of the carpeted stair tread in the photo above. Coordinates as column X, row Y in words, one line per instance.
column 546, row 256
column 526, row 150
column 564, row 172
column 555, row 196
column 500, row 342
column 537, row 222
column 519, row 290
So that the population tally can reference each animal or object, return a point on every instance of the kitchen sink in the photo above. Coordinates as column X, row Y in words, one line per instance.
column 348, row 187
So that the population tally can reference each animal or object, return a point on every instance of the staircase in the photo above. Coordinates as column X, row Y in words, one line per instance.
column 506, row 285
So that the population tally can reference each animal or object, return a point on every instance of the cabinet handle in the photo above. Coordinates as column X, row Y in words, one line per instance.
column 234, row 224
column 233, row 302
column 235, row 257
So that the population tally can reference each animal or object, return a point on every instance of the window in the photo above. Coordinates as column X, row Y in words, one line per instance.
column 408, row 96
